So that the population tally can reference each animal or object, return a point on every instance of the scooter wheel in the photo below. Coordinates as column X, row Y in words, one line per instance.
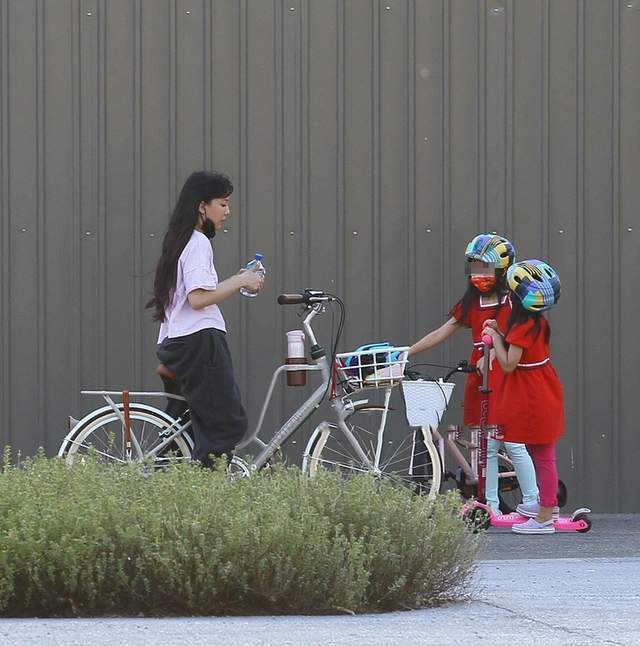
column 586, row 520
column 477, row 519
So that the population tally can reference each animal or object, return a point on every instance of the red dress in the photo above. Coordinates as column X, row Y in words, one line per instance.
column 477, row 315
column 530, row 402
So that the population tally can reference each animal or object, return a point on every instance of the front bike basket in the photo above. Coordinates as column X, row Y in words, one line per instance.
column 426, row 401
column 375, row 365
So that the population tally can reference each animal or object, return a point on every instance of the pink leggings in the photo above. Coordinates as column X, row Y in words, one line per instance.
column 544, row 462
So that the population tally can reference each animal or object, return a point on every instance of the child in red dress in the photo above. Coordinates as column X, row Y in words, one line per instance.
column 530, row 402
column 488, row 257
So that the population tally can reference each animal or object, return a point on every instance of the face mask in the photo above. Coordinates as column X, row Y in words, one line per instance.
column 208, row 228
column 484, row 284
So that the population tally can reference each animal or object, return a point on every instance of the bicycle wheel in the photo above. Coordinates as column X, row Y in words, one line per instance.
column 102, row 434
column 404, row 458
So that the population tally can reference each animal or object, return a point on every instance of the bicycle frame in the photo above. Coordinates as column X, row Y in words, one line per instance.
column 341, row 409
column 304, row 410
column 267, row 448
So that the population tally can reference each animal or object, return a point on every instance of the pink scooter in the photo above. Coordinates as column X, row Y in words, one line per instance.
column 477, row 512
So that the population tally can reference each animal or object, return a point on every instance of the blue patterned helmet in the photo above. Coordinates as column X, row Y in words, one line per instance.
column 492, row 249
column 535, row 283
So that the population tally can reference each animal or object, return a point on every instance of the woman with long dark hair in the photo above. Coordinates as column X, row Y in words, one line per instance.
column 186, row 296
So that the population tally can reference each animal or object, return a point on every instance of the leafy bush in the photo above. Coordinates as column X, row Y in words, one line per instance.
column 94, row 539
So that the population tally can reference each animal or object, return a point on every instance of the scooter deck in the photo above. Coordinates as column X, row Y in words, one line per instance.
column 562, row 524
column 575, row 523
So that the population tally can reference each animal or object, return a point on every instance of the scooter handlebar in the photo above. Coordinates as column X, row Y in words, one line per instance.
column 488, row 343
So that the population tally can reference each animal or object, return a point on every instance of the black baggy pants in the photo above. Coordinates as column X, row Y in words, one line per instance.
column 202, row 363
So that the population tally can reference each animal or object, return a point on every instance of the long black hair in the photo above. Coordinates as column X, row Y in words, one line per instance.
column 472, row 295
column 201, row 186
column 520, row 315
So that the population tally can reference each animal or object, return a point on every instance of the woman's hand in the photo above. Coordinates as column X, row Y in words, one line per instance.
column 251, row 280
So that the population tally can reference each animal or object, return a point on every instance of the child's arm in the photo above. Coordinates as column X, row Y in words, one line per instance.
column 507, row 356
column 435, row 337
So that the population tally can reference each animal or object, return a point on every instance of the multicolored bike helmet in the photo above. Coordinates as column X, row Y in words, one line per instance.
column 492, row 249
column 535, row 283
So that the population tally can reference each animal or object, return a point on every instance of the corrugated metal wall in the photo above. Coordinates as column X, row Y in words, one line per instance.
column 369, row 140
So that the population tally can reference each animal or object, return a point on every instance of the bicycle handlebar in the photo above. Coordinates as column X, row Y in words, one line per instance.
column 463, row 366
column 309, row 296
column 290, row 299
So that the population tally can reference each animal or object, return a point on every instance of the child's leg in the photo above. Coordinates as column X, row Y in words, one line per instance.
column 491, row 483
column 544, row 460
column 525, row 471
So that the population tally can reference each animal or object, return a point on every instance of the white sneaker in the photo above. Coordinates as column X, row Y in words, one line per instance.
column 532, row 509
column 532, row 526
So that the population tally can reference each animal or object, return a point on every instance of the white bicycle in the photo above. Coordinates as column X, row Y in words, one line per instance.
column 362, row 435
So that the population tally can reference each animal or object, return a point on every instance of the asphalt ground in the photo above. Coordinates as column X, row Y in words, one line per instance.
column 611, row 536
column 566, row 589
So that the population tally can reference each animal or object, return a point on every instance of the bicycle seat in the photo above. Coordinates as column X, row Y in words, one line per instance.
column 163, row 371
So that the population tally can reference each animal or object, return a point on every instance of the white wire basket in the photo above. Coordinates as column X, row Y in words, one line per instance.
column 372, row 368
column 426, row 401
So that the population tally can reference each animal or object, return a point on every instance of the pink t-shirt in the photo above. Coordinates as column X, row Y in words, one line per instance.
column 195, row 271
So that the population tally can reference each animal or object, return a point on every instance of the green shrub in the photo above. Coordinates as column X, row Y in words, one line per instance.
column 94, row 539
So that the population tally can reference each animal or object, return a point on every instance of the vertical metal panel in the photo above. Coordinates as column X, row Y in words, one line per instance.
column 528, row 130
column 429, row 169
column 155, row 154
column 228, row 103
column 190, row 88
column 90, row 139
column 614, row 438
column 629, row 261
column 466, row 130
column 324, row 140
column 58, row 232
column 258, row 217
column 598, row 242
column 359, row 164
column 25, row 95
column 5, row 224
column 368, row 141
column 119, row 222
column 393, row 213
column 495, row 18
column 563, row 225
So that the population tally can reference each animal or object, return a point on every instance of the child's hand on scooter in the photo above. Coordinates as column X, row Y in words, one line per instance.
column 491, row 323
column 491, row 328
column 480, row 361
column 489, row 331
